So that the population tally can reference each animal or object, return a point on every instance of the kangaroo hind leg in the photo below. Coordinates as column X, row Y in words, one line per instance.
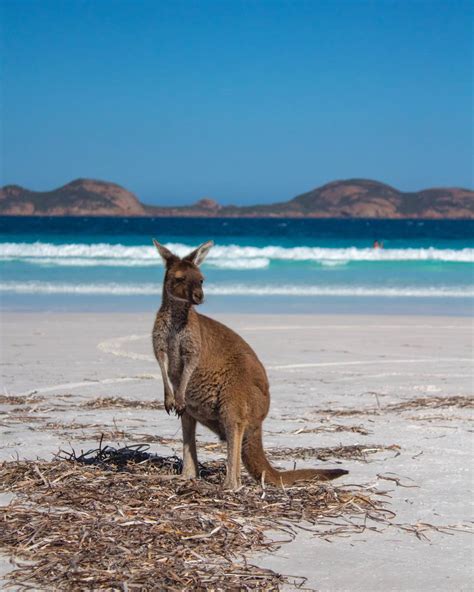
column 190, row 461
column 234, row 435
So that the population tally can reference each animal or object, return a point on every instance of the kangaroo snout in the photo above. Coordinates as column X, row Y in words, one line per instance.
column 197, row 296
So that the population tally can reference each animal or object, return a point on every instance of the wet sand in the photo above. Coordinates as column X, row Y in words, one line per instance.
column 316, row 365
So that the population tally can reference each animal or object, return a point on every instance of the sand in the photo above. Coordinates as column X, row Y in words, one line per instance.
column 60, row 362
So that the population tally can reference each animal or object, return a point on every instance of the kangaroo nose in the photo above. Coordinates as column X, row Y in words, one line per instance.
column 197, row 296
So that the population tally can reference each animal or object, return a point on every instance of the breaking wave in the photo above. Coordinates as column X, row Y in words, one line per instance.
column 148, row 289
column 221, row 256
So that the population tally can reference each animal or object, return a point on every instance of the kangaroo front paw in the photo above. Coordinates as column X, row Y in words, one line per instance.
column 169, row 403
column 179, row 404
column 180, row 408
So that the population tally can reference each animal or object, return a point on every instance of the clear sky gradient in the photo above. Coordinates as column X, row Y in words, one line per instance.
column 245, row 102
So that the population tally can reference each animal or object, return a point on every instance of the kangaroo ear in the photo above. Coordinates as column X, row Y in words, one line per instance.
column 165, row 253
column 199, row 254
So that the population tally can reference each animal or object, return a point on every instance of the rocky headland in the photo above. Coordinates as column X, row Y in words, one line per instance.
column 353, row 198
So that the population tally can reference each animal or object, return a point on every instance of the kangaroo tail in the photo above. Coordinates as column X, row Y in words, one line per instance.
column 256, row 463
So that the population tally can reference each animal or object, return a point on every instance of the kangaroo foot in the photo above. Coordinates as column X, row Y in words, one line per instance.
column 189, row 473
column 232, row 484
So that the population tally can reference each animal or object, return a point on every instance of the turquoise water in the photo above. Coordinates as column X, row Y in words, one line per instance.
column 256, row 264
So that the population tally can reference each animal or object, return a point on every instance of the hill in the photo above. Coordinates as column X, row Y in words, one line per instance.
column 362, row 198
column 82, row 197
column 353, row 198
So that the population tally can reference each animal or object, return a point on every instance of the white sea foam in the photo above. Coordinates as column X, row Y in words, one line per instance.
column 84, row 262
column 223, row 256
column 237, row 264
column 257, row 263
column 331, row 263
column 148, row 289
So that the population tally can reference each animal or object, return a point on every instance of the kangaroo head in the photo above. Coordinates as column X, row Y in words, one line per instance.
column 183, row 278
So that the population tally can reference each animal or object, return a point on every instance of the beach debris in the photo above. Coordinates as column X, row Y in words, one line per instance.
column 332, row 428
column 20, row 399
column 123, row 519
column 398, row 480
column 352, row 452
column 422, row 529
column 347, row 411
column 111, row 458
column 458, row 401
column 107, row 402
column 119, row 435
column 95, row 431
column 139, row 452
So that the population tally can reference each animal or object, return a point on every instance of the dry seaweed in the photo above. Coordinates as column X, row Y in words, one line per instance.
column 111, row 458
column 92, row 523
column 107, row 402
column 82, row 431
column 458, row 401
column 332, row 428
column 433, row 403
column 347, row 412
column 121, row 436
column 440, row 417
column 352, row 452
column 20, row 399
column 21, row 417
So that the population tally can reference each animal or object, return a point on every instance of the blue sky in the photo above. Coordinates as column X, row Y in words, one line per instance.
column 244, row 102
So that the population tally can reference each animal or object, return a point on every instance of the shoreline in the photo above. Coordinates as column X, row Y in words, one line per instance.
column 257, row 305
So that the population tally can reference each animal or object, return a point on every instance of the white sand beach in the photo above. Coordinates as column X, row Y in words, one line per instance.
column 367, row 364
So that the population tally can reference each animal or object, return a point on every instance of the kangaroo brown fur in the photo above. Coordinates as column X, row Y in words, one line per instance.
column 212, row 376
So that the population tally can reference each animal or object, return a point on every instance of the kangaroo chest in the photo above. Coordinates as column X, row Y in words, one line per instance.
column 176, row 342
column 179, row 351
column 183, row 347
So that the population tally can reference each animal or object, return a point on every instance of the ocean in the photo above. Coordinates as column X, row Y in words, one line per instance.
column 257, row 265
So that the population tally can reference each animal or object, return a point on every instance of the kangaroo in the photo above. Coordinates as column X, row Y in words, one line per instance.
column 212, row 376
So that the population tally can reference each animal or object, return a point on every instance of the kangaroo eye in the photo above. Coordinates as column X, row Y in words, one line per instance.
column 202, row 281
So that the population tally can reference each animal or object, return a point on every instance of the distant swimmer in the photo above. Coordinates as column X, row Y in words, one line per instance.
column 377, row 245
